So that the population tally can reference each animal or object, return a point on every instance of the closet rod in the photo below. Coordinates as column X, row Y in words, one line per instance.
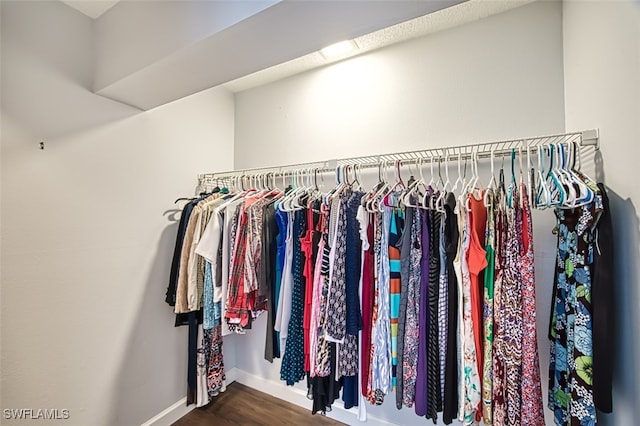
column 480, row 150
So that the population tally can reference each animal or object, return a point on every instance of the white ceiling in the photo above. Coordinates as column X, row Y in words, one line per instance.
column 159, row 51
column 439, row 20
column 167, row 50
column 145, row 74
column 91, row 8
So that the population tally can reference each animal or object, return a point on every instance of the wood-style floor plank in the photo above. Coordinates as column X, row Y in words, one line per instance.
column 241, row 405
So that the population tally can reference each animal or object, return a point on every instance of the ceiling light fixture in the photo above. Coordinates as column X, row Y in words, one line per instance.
column 337, row 50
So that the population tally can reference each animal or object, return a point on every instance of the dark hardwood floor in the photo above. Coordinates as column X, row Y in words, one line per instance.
column 241, row 405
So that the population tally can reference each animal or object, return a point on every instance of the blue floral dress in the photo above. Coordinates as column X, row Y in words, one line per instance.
column 571, row 361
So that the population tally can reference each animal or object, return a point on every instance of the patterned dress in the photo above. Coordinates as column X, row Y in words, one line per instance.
column 487, row 314
column 410, row 348
column 381, row 368
column 512, row 318
column 571, row 361
column 292, row 369
column 499, row 331
column 532, row 412
column 434, row 401
column 395, row 233
column 469, row 364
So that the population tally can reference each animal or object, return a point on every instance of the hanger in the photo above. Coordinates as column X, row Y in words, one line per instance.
column 284, row 204
column 512, row 183
column 584, row 192
column 531, row 176
column 491, row 186
column 557, row 191
column 461, row 199
column 366, row 201
column 475, row 178
column 427, row 198
column 375, row 204
column 439, row 185
column 473, row 184
column 341, row 183
column 569, row 181
column 399, row 186
column 439, row 204
column 521, row 187
column 458, row 181
column 502, row 191
column 542, row 194
column 414, row 190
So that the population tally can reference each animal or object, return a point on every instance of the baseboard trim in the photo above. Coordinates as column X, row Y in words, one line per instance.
column 278, row 389
column 299, row 397
column 179, row 409
column 170, row 414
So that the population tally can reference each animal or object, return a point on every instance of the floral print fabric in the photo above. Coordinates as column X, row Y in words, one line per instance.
column 571, row 360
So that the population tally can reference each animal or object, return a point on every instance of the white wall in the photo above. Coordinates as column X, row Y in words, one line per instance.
column 501, row 77
column 127, row 41
column 479, row 82
column 602, row 89
column 87, row 235
column 51, row 58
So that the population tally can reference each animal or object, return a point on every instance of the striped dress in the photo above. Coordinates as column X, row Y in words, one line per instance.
column 395, row 233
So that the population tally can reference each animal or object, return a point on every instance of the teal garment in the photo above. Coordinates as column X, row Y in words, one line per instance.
column 208, row 306
column 292, row 369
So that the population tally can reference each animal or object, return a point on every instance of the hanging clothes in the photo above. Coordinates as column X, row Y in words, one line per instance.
column 395, row 283
column 602, row 288
column 532, row 412
column 433, row 360
column 381, row 365
column 269, row 274
column 349, row 350
column 472, row 385
column 292, row 369
column 422, row 378
column 365, row 296
column 487, row 312
column 411, row 335
column 571, row 327
column 451, row 234
column 368, row 295
column 500, row 333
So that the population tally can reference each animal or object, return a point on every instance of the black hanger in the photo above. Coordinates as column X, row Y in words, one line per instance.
column 183, row 199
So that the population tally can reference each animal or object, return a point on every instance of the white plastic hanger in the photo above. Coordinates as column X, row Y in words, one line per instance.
column 543, row 194
column 426, row 197
column 557, row 191
column 377, row 203
column 439, row 204
column 398, row 186
column 414, row 190
column 370, row 196
column 492, row 182
column 458, row 182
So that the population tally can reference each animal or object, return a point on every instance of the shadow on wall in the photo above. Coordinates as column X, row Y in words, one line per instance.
column 626, row 234
column 155, row 352
column 626, row 323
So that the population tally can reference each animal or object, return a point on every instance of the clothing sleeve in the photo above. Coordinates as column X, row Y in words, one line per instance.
column 183, row 271
column 210, row 239
column 193, row 264
column 363, row 220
